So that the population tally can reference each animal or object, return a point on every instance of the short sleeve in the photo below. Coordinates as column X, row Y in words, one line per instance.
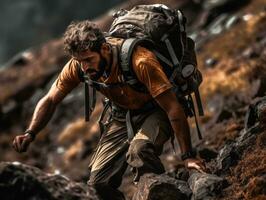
column 149, row 71
column 68, row 78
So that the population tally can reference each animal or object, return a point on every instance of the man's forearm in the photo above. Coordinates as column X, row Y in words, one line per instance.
column 42, row 114
column 180, row 126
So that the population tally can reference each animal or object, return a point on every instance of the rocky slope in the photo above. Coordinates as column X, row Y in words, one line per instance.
column 231, row 44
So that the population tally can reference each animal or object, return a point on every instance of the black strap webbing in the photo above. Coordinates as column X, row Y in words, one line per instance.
column 195, row 115
column 199, row 103
column 87, row 101
column 90, row 97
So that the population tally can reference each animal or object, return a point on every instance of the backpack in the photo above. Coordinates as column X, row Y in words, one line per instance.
column 163, row 31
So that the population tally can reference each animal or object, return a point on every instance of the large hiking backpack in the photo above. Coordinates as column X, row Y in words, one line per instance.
column 163, row 31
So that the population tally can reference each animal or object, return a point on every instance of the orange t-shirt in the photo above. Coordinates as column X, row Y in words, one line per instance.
column 146, row 67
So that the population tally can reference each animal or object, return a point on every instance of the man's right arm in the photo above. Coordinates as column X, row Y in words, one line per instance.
column 42, row 114
column 67, row 80
column 45, row 109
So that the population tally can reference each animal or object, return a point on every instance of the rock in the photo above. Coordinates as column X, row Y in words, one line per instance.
column 157, row 187
column 232, row 20
column 256, row 113
column 19, row 181
column 262, row 114
column 222, row 22
column 207, row 154
column 232, row 152
column 250, row 53
column 220, row 108
column 223, row 5
column 255, row 121
column 182, row 174
column 210, row 62
column 227, row 157
column 205, row 186
column 217, row 26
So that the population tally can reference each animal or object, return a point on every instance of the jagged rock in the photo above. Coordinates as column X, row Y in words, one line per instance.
column 205, row 186
column 19, row 181
column 231, row 152
column 157, row 187
column 256, row 113
column 182, row 174
column 227, row 157
column 217, row 26
column 216, row 8
column 207, row 154
column 254, row 124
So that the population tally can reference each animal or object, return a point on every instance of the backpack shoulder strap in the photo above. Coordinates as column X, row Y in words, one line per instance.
column 89, row 97
column 126, row 51
column 125, row 55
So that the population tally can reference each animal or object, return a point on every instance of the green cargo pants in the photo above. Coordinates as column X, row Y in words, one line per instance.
column 114, row 152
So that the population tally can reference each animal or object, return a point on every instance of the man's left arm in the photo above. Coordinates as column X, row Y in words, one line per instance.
column 169, row 103
column 149, row 72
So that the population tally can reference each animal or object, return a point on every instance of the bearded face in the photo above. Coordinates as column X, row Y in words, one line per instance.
column 92, row 63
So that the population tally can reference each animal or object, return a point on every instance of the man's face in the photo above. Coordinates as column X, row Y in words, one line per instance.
column 92, row 63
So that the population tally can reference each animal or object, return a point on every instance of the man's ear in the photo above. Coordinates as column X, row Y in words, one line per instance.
column 105, row 49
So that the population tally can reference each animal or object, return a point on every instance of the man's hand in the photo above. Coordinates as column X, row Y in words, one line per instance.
column 22, row 142
column 194, row 163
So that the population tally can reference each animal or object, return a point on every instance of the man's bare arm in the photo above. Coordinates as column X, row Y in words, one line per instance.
column 45, row 109
column 168, row 102
column 41, row 116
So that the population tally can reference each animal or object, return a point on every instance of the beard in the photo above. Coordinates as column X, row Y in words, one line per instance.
column 102, row 66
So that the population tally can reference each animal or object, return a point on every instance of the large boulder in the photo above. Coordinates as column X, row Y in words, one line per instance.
column 157, row 187
column 206, row 186
column 230, row 154
column 19, row 181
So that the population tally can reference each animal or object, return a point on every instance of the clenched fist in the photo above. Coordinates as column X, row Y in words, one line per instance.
column 22, row 142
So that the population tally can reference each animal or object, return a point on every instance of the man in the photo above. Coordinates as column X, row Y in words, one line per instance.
column 155, row 115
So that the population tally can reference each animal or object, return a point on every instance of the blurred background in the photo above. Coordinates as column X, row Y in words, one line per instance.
column 32, row 22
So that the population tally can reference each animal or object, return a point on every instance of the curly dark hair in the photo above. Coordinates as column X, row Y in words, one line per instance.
column 81, row 36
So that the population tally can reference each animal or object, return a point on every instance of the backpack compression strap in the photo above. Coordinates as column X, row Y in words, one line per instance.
column 90, row 96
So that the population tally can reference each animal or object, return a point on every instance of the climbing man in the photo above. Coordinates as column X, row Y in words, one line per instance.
column 140, row 122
